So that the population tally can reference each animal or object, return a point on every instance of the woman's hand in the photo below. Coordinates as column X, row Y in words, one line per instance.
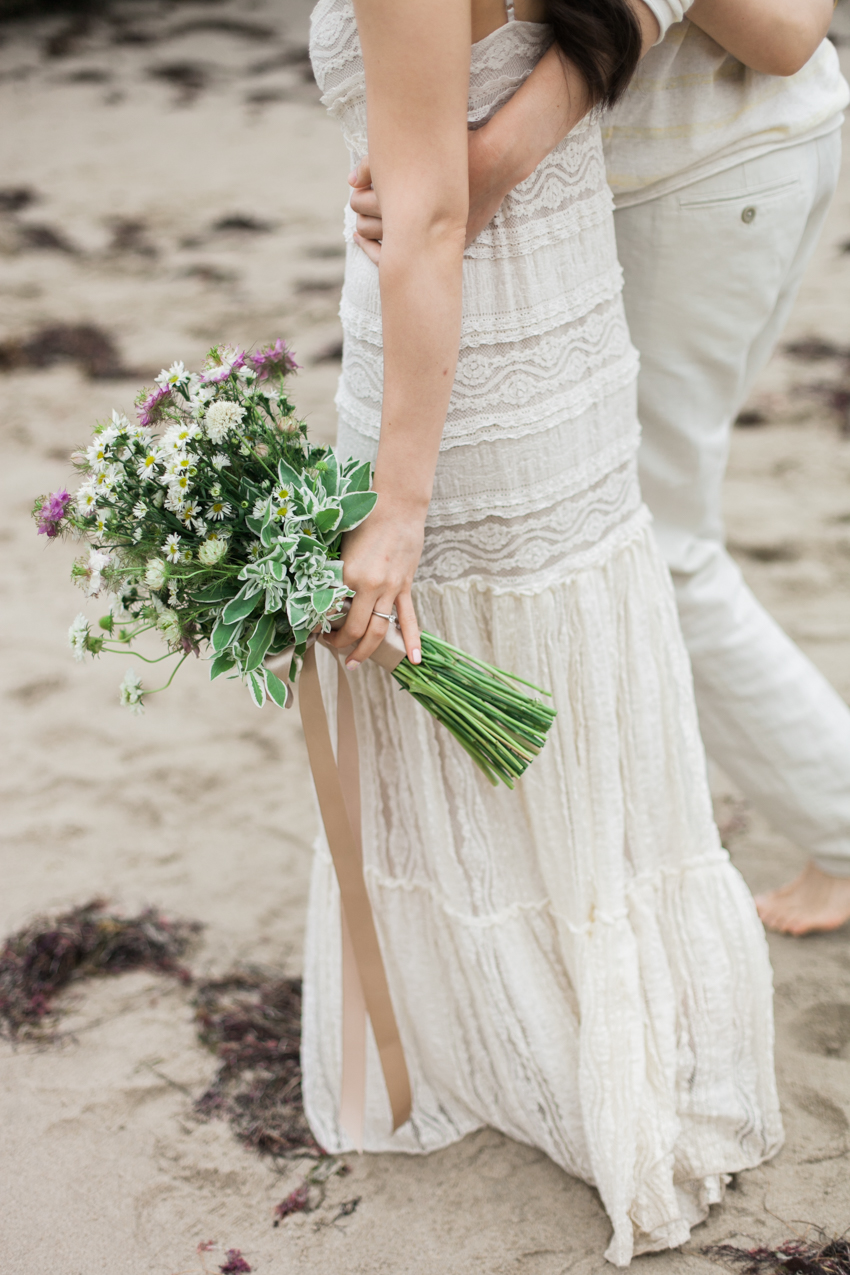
column 380, row 558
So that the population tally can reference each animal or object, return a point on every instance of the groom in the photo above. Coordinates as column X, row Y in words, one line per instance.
column 723, row 157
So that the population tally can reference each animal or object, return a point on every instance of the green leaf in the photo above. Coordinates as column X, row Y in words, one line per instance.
column 218, row 592
column 243, row 604
column 255, row 524
column 355, row 507
column 329, row 476
column 327, row 519
column 296, row 614
column 268, row 535
column 322, row 599
column 259, row 642
column 257, row 688
column 224, row 634
column 360, row 479
column 288, row 476
column 276, row 689
column 221, row 664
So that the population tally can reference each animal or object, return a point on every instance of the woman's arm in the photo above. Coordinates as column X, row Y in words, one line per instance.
column 416, row 56
column 776, row 37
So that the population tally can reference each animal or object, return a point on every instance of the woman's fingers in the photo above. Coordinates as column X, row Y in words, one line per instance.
column 375, row 633
column 356, row 621
column 372, row 249
column 409, row 627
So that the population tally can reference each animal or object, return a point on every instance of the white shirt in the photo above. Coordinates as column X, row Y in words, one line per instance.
column 693, row 110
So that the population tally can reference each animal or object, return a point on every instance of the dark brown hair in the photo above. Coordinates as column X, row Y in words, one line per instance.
column 602, row 38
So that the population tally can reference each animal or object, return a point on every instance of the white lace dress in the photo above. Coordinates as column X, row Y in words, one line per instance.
column 575, row 963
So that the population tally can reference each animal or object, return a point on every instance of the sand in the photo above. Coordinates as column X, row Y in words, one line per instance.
column 202, row 807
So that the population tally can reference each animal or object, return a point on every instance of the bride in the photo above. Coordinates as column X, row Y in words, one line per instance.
column 575, row 963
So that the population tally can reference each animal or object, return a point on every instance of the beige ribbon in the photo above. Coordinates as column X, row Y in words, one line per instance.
column 365, row 990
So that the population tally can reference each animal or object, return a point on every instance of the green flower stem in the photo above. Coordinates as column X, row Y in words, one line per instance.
column 128, row 650
column 171, row 679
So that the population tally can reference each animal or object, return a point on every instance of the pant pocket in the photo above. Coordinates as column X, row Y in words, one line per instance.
column 746, row 198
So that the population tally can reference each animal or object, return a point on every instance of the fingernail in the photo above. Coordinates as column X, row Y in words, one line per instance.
column 351, row 665
column 416, row 657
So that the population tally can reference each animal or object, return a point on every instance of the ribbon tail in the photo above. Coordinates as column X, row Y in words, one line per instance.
column 347, row 857
column 352, row 1096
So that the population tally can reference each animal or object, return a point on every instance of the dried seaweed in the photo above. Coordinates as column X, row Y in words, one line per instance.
column 234, row 1263
column 81, row 343
column 251, row 1020
column 310, row 1192
column 813, row 1256
column 51, row 953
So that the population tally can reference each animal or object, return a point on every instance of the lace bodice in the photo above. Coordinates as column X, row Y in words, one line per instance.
column 543, row 404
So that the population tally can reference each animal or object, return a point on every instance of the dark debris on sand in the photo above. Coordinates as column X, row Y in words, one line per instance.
column 234, row 1263
column 82, row 343
column 251, row 1020
column 51, row 953
column 819, row 1256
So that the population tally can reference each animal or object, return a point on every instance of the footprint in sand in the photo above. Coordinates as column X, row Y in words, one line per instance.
column 825, row 1029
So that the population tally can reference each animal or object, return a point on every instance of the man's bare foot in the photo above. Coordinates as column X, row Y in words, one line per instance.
column 815, row 901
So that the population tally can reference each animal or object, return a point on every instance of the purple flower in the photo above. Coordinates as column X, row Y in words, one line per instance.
column 52, row 511
column 273, row 358
column 149, row 409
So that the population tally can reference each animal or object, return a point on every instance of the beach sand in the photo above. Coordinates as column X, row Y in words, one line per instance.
column 187, row 186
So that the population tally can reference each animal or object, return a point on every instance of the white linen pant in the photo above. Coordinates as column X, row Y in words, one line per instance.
column 711, row 273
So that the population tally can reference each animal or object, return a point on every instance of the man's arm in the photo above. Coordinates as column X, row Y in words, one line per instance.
column 776, row 37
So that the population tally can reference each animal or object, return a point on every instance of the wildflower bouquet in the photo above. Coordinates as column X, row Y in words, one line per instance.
column 215, row 523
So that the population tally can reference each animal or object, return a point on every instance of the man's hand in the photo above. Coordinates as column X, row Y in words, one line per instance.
column 364, row 201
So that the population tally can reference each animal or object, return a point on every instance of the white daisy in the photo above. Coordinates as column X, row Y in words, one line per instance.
column 86, row 499
column 97, row 454
column 219, row 509
column 190, row 512
column 177, row 464
column 221, row 460
column 173, row 376
column 146, row 467
column 107, row 479
column 171, row 548
column 140, row 509
column 174, row 500
column 176, row 437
